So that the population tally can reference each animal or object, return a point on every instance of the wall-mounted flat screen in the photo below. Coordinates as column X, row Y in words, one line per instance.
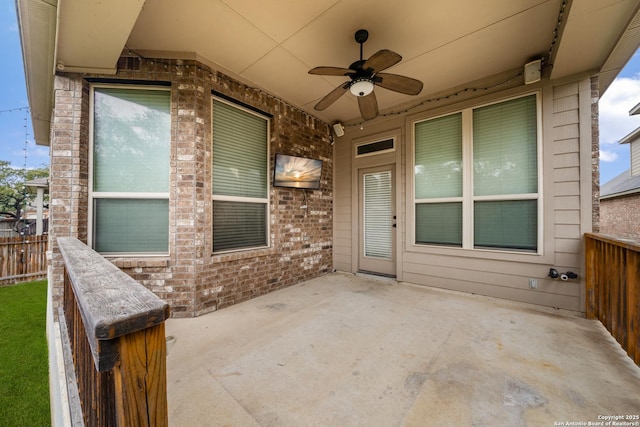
column 296, row 172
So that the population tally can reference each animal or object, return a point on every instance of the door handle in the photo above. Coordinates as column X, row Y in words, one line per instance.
column 394, row 226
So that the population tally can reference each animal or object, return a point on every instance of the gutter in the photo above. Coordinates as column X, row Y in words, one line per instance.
column 37, row 22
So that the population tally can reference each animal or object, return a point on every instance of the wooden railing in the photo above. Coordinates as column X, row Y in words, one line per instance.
column 613, row 288
column 117, row 342
column 22, row 259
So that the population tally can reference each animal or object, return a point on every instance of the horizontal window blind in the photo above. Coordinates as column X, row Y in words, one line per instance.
column 131, row 225
column 439, row 223
column 239, row 152
column 240, row 171
column 131, row 145
column 510, row 224
column 239, row 225
column 438, row 157
column 505, row 148
column 131, row 140
column 378, row 215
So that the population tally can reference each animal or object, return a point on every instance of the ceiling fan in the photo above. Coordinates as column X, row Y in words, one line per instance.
column 364, row 75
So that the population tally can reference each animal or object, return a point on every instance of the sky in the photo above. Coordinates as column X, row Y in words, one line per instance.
column 615, row 122
column 13, row 95
column 16, row 138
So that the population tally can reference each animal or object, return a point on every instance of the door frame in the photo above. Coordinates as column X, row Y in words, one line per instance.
column 386, row 267
column 391, row 158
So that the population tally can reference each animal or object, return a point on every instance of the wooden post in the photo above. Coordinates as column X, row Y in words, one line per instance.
column 39, row 210
column 590, row 279
column 140, row 379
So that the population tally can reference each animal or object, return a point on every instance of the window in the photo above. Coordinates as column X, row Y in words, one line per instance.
column 240, row 178
column 493, row 203
column 130, row 170
column 378, row 147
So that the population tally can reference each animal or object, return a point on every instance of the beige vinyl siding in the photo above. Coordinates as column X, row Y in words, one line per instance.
column 501, row 279
column 566, row 179
column 342, row 223
column 635, row 158
column 565, row 131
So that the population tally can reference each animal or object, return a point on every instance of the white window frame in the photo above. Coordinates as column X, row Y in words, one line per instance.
column 93, row 195
column 266, row 201
column 468, row 199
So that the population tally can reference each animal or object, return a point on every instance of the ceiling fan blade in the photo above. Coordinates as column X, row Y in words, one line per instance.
column 331, row 71
column 397, row 83
column 368, row 106
column 381, row 60
column 332, row 97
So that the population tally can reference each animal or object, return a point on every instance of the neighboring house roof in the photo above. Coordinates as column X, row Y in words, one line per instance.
column 625, row 183
column 443, row 44
column 631, row 136
column 34, row 184
column 622, row 185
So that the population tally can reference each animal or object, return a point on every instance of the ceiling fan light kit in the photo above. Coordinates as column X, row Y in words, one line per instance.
column 362, row 87
column 365, row 75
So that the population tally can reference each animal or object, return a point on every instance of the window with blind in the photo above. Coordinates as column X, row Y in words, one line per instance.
column 240, row 178
column 130, row 170
column 438, row 181
column 494, row 205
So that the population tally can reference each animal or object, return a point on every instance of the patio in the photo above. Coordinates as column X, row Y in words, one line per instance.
column 358, row 350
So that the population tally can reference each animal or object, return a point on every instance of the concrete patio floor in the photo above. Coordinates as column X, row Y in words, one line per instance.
column 345, row 350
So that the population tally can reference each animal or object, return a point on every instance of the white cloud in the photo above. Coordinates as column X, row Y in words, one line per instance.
column 608, row 156
column 621, row 96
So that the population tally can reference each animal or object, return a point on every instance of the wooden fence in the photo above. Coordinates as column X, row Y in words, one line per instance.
column 613, row 288
column 116, row 336
column 23, row 259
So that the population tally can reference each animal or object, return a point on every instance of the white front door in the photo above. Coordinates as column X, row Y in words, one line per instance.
column 377, row 221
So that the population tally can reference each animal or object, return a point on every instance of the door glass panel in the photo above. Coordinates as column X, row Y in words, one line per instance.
column 378, row 215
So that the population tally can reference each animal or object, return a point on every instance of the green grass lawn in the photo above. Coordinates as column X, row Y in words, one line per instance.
column 24, row 377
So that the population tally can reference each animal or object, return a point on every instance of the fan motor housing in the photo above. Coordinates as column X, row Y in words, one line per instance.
column 361, row 36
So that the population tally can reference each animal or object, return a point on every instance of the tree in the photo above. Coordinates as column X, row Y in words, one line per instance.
column 14, row 195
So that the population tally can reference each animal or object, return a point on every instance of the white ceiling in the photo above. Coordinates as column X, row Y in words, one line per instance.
column 272, row 44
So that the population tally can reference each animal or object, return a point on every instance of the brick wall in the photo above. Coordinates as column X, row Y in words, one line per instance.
column 69, row 171
column 191, row 278
column 595, row 155
column 620, row 217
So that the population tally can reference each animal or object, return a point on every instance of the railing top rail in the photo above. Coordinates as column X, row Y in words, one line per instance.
column 21, row 239
column 111, row 303
column 632, row 245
